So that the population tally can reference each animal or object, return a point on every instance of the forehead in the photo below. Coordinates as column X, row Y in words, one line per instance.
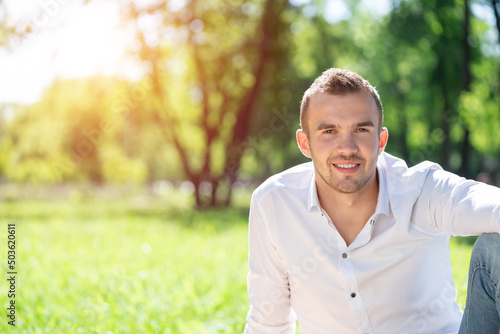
column 340, row 109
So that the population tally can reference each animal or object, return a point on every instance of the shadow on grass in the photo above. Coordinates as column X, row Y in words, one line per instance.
column 141, row 210
column 85, row 203
column 218, row 218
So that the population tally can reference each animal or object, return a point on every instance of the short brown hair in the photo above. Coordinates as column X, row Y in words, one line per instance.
column 336, row 81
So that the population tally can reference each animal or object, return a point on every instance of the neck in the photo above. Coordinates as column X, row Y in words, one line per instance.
column 349, row 212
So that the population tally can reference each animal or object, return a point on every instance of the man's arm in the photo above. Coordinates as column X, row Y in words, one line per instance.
column 452, row 204
column 268, row 286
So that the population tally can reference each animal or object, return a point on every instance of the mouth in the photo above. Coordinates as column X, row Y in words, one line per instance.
column 346, row 166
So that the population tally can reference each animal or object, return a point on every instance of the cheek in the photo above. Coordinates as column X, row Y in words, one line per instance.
column 368, row 142
column 371, row 146
column 324, row 146
column 320, row 150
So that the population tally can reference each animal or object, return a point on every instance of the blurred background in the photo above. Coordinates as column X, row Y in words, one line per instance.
column 117, row 118
column 205, row 94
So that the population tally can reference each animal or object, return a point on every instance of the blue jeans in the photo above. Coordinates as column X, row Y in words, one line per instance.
column 482, row 308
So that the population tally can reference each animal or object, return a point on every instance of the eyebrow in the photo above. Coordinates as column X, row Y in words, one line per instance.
column 323, row 126
column 365, row 123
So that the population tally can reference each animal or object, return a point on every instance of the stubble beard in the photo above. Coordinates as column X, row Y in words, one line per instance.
column 348, row 185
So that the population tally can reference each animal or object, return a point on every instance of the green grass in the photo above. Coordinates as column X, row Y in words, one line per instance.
column 140, row 265
column 461, row 249
column 127, row 267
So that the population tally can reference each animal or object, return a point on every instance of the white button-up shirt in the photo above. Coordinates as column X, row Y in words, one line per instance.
column 395, row 277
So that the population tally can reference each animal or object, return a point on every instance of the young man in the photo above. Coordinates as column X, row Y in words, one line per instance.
column 357, row 242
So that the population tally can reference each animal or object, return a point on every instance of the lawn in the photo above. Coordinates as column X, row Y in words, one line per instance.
column 135, row 265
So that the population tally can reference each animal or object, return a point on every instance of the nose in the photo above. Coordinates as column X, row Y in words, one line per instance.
column 347, row 145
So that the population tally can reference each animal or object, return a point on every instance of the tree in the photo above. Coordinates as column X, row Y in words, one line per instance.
column 495, row 4
column 230, row 51
column 71, row 135
column 425, row 51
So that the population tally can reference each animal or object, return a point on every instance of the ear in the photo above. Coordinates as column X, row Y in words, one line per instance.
column 384, row 136
column 303, row 143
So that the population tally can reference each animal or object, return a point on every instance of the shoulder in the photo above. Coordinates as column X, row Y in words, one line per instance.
column 403, row 182
column 398, row 171
column 297, row 178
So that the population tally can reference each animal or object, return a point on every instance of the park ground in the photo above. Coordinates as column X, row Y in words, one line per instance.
column 135, row 264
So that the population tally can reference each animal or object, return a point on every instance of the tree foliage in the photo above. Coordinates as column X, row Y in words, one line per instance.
column 219, row 99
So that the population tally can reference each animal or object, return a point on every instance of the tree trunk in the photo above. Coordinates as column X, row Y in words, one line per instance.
column 445, row 126
column 466, row 148
column 208, row 82
column 496, row 4
column 241, row 130
column 197, row 196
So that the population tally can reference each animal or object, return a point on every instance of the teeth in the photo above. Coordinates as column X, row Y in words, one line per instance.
column 347, row 166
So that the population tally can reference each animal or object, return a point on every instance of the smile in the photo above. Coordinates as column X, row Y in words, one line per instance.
column 346, row 166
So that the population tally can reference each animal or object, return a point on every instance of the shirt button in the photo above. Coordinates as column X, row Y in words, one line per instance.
column 344, row 255
column 353, row 295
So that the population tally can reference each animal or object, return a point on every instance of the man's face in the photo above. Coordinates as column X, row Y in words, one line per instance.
column 344, row 140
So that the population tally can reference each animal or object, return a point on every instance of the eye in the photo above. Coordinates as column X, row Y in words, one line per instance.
column 362, row 130
column 329, row 132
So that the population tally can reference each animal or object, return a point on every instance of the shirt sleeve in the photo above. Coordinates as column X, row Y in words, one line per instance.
column 268, row 286
column 451, row 204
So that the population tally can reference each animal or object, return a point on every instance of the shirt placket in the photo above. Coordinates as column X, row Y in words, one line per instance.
column 352, row 290
column 348, row 274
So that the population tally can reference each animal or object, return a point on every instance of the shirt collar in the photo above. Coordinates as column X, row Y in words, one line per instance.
column 383, row 196
column 312, row 199
column 382, row 201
